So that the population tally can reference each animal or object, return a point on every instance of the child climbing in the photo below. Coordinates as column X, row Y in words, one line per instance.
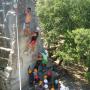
column 28, row 17
column 31, row 43
column 44, row 53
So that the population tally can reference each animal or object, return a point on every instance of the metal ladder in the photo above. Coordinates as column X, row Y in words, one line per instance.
column 5, row 47
column 4, row 40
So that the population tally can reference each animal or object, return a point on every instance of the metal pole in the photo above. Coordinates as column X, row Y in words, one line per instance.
column 19, row 65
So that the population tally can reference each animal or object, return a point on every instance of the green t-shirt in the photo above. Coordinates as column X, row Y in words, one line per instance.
column 44, row 60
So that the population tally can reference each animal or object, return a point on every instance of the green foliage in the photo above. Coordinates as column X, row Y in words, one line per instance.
column 77, row 45
column 87, row 75
column 63, row 17
column 58, row 16
column 76, row 48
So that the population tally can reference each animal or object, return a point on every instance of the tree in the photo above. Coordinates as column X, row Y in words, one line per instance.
column 63, row 17
column 58, row 16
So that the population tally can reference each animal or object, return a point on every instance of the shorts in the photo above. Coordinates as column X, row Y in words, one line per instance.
column 26, row 25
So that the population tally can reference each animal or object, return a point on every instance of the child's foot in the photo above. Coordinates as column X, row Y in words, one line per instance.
column 26, row 53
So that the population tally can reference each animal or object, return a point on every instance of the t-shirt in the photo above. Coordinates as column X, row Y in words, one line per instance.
column 45, row 52
column 28, row 18
column 44, row 59
column 45, row 81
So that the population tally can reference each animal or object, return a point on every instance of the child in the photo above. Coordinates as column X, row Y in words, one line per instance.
column 44, row 50
column 36, row 79
column 28, row 18
column 35, row 72
column 45, row 80
column 46, row 87
column 56, row 84
column 44, row 68
column 40, row 71
column 49, row 75
column 45, row 77
column 32, row 43
column 39, row 58
column 40, row 86
column 37, row 65
column 31, row 77
column 44, row 58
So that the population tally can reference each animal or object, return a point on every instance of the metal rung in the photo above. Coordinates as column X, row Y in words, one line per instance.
column 4, row 58
column 6, row 49
column 4, row 37
column 1, row 10
column 11, row 12
column 1, row 25
column 6, row 3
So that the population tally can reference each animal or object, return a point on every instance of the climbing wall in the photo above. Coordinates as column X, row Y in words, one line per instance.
column 13, row 16
column 26, row 59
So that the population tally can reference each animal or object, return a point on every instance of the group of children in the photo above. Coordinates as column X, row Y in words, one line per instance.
column 41, row 77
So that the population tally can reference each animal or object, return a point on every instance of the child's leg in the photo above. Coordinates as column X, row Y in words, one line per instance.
column 26, row 48
column 33, row 48
column 27, row 29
